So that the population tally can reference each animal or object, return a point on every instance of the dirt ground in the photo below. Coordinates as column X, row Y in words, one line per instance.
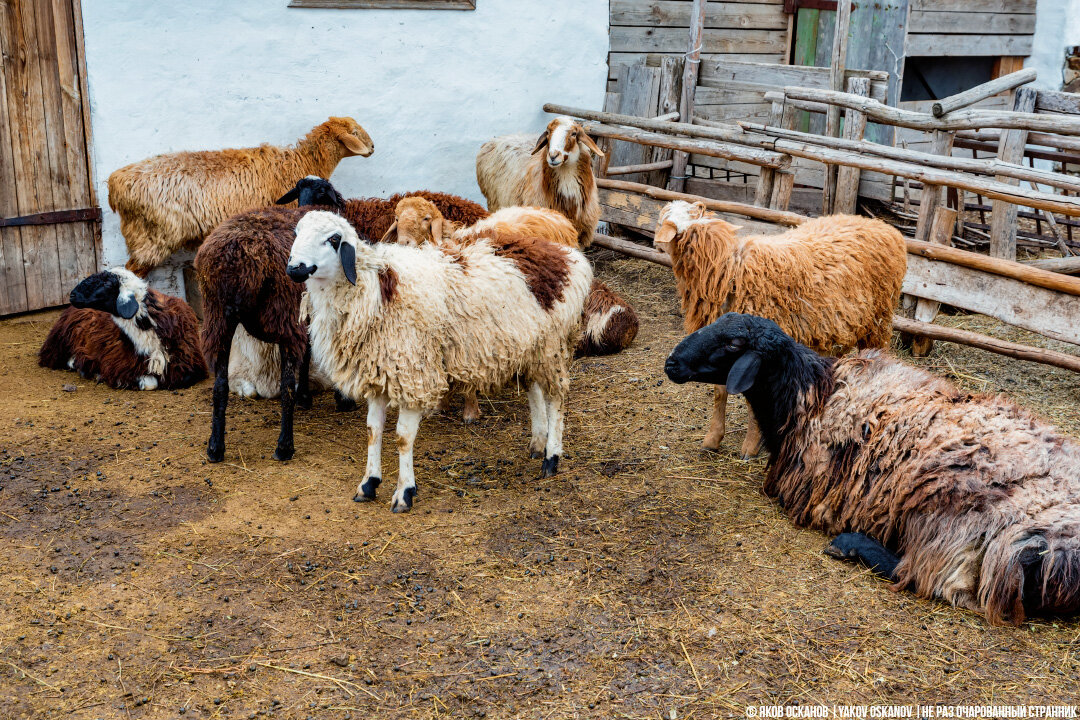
column 646, row 580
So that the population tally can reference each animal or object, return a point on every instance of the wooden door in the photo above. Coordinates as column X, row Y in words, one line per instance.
column 49, row 222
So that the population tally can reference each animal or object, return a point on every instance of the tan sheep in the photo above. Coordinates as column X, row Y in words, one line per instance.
column 512, row 171
column 831, row 283
column 173, row 201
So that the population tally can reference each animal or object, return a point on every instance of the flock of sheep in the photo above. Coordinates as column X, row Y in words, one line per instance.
column 403, row 301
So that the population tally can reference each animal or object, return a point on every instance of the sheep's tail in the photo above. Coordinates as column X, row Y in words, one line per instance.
column 1033, row 568
column 216, row 331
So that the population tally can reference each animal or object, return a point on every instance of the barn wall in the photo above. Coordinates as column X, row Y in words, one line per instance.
column 1057, row 26
column 430, row 86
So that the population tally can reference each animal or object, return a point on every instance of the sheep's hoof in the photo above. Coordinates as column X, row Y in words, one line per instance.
column 342, row 403
column 284, row 453
column 215, row 454
column 536, row 454
column 367, row 489
column 304, row 401
column 712, row 442
column 404, row 503
column 550, row 467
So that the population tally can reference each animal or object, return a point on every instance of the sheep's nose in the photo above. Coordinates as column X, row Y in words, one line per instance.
column 301, row 272
column 555, row 159
column 675, row 372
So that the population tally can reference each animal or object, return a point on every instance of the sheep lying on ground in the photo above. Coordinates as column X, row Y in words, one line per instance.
column 397, row 325
column 831, row 283
column 172, row 201
column 126, row 335
column 511, row 171
column 980, row 498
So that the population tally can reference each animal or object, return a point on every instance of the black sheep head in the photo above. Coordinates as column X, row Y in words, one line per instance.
column 107, row 291
column 313, row 190
column 728, row 352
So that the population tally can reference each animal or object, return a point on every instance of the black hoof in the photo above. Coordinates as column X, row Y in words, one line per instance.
column 284, row 453
column 550, row 467
column 536, row 454
column 304, row 401
column 342, row 403
column 406, row 501
column 215, row 455
column 367, row 489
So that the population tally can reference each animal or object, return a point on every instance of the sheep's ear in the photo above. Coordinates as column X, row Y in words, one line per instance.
column 347, row 254
column 589, row 143
column 391, row 233
column 699, row 208
column 288, row 197
column 352, row 143
column 436, row 229
column 337, row 200
column 541, row 142
column 742, row 374
column 126, row 305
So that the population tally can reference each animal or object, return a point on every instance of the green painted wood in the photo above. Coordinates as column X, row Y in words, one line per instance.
column 806, row 34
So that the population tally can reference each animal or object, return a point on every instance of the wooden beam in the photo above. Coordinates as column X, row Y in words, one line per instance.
column 55, row 217
column 691, row 66
column 1010, row 150
column 632, row 249
column 712, row 148
column 927, row 310
column 781, row 217
column 981, row 92
column 1006, row 268
column 1069, row 265
column 837, row 66
column 847, row 177
column 985, row 342
column 644, row 167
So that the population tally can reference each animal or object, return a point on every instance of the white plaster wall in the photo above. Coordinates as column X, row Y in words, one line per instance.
column 1057, row 26
column 429, row 86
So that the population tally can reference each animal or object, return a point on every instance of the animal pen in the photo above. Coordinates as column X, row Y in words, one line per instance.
column 833, row 139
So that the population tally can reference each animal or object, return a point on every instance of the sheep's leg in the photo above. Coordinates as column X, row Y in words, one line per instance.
column 472, row 408
column 303, row 381
column 554, row 449
column 407, row 425
column 538, row 421
column 856, row 547
column 284, row 449
column 342, row 403
column 752, row 442
column 719, row 418
column 376, row 421
column 215, row 448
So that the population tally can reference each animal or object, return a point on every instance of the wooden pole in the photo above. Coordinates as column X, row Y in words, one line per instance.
column 981, row 92
column 837, row 66
column 752, row 211
column 927, row 310
column 677, row 179
column 1010, row 150
column 847, row 177
column 1069, row 265
column 632, row 249
column 712, row 148
column 645, row 167
column 985, row 342
column 1006, row 268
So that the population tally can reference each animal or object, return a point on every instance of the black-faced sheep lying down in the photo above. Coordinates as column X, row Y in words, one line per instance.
column 396, row 325
column 978, row 497
column 126, row 335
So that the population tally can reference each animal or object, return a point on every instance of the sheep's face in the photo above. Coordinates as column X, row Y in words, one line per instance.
column 116, row 291
column 727, row 352
column 325, row 248
column 354, row 138
column 313, row 190
column 564, row 140
column 674, row 220
column 418, row 221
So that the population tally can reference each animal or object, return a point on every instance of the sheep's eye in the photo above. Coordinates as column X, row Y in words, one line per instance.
column 427, row 218
column 334, row 240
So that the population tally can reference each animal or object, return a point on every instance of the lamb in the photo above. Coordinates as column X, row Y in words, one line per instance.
column 126, row 335
column 172, row 201
column 253, row 336
column 831, row 283
column 397, row 325
column 978, row 496
column 511, row 172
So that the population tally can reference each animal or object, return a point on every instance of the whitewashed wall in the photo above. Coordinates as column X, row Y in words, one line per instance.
column 429, row 86
column 1057, row 26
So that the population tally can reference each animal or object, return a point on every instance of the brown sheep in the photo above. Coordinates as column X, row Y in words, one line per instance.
column 511, row 171
column 980, row 498
column 173, row 201
column 831, row 283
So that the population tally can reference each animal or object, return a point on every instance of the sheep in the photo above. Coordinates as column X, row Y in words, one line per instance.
column 397, row 325
column 609, row 322
column 511, row 171
column 172, row 201
column 126, row 335
column 831, row 283
column 253, row 335
column 978, row 497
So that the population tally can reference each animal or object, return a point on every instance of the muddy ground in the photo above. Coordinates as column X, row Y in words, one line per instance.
column 646, row 580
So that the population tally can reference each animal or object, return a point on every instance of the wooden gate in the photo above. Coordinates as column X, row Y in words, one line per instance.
column 49, row 220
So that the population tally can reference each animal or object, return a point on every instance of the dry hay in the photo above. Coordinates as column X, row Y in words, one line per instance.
column 647, row 578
